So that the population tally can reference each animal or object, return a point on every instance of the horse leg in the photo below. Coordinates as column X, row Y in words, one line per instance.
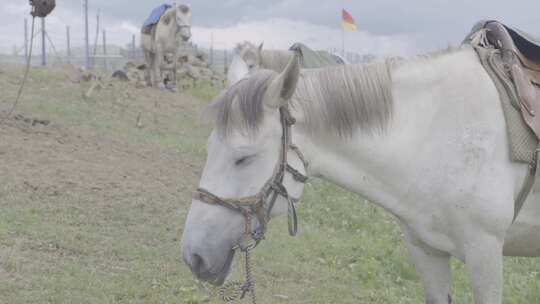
column 148, row 71
column 434, row 269
column 158, row 60
column 484, row 260
column 175, row 66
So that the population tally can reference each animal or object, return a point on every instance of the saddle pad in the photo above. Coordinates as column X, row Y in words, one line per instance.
column 521, row 139
column 156, row 15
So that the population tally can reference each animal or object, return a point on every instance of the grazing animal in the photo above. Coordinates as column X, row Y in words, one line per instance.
column 163, row 39
column 423, row 138
column 256, row 58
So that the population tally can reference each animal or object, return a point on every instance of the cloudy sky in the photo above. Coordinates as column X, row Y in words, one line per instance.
column 386, row 27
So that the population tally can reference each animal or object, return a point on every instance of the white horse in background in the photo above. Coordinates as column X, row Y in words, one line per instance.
column 163, row 40
column 257, row 58
column 424, row 138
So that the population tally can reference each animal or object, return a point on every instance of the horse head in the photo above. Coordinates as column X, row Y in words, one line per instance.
column 251, row 54
column 183, row 21
column 252, row 173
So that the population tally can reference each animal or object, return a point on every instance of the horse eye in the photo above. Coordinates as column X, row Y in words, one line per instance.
column 243, row 160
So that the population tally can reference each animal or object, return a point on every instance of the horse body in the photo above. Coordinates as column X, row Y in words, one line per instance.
column 163, row 39
column 443, row 158
column 440, row 164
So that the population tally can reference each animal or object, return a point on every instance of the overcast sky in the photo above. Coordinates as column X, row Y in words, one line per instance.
column 386, row 27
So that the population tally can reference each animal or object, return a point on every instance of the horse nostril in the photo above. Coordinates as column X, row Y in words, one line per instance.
column 197, row 264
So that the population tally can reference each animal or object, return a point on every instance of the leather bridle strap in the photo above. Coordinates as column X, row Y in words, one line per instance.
column 235, row 205
column 262, row 203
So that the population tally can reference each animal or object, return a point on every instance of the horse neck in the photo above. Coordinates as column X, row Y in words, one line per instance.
column 172, row 27
column 381, row 165
column 350, row 162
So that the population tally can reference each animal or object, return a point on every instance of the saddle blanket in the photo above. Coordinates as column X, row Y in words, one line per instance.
column 156, row 15
column 522, row 140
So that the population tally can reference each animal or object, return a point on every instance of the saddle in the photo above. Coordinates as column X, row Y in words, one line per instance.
column 521, row 57
column 512, row 59
column 154, row 17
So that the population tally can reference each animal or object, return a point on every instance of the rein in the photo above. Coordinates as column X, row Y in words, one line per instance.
column 260, row 206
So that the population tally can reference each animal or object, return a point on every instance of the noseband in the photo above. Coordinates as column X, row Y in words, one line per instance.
column 180, row 27
column 261, row 204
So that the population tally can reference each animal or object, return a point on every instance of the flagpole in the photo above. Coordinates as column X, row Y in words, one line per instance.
column 342, row 32
column 343, row 43
column 347, row 25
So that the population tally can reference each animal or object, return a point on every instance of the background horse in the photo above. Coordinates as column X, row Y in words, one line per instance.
column 423, row 138
column 256, row 58
column 163, row 39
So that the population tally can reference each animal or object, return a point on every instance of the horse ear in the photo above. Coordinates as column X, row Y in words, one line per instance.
column 261, row 47
column 282, row 87
column 184, row 8
column 237, row 70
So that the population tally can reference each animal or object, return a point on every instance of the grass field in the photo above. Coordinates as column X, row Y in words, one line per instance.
column 92, row 208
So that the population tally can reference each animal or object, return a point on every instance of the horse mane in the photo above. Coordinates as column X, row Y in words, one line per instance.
column 240, row 107
column 338, row 99
column 345, row 98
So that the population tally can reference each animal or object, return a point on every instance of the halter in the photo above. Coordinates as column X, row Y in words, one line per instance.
column 261, row 204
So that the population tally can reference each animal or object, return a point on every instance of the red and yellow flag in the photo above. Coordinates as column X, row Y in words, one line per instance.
column 348, row 22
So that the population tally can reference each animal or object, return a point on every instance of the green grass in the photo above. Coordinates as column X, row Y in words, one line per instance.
column 123, row 246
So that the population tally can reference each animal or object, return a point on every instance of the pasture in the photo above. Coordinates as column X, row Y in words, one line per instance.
column 92, row 207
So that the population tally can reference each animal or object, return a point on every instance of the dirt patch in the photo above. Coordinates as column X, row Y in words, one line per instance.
column 50, row 160
column 93, row 189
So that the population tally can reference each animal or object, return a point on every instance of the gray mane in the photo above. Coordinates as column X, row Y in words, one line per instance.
column 336, row 100
column 342, row 99
column 241, row 105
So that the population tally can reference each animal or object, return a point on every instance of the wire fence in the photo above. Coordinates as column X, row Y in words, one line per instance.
column 103, row 55
column 108, row 57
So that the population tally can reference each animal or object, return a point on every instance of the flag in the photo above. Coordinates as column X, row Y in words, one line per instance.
column 348, row 22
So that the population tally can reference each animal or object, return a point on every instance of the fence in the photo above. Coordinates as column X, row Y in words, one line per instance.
column 97, row 53
column 107, row 57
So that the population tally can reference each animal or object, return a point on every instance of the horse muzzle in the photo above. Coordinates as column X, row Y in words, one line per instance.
column 185, row 34
column 203, row 270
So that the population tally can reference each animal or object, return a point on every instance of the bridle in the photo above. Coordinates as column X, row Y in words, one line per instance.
column 261, row 204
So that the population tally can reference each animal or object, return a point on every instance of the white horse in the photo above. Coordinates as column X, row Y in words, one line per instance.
column 257, row 58
column 164, row 39
column 425, row 139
